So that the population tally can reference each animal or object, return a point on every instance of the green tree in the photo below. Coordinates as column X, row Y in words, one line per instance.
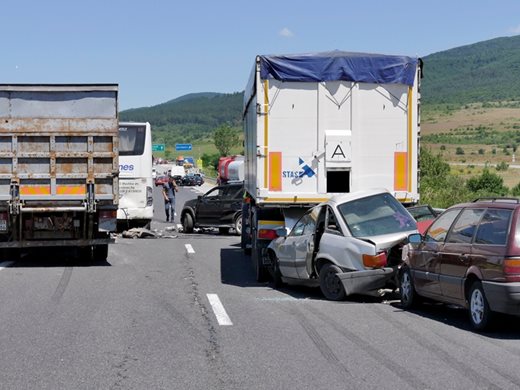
column 439, row 187
column 225, row 139
column 210, row 160
column 487, row 184
column 515, row 191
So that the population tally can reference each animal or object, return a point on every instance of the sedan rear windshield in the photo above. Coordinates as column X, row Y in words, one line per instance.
column 376, row 215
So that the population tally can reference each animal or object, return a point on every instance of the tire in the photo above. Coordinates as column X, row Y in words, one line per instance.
column 187, row 223
column 277, row 275
column 238, row 225
column 479, row 312
column 409, row 297
column 223, row 230
column 100, row 252
column 330, row 284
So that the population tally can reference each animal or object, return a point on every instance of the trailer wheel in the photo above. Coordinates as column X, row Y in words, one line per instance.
column 100, row 252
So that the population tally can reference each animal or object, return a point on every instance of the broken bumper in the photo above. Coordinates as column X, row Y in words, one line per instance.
column 359, row 282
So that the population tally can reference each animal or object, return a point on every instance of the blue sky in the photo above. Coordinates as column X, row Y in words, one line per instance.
column 159, row 50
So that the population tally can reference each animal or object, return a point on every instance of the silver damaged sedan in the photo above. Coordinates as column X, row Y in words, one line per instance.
column 350, row 244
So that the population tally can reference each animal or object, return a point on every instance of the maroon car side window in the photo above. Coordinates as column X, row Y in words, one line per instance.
column 465, row 226
column 439, row 229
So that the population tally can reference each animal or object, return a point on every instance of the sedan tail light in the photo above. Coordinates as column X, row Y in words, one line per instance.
column 377, row 261
column 512, row 269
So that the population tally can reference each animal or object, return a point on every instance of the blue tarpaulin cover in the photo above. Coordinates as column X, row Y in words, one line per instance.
column 339, row 65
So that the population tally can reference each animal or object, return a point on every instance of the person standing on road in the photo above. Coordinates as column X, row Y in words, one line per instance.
column 169, row 190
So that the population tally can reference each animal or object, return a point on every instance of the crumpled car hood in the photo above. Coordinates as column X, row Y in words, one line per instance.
column 387, row 241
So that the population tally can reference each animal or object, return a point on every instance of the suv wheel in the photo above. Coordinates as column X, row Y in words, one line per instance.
column 479, row 311
column 187, row 223
column 238, row 225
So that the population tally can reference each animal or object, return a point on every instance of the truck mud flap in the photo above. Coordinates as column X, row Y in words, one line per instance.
column 359, row 282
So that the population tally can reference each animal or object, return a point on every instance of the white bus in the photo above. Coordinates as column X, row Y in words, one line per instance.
column 135, row 175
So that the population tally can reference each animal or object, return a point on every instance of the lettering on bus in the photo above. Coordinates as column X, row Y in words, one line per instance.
column 126, row 167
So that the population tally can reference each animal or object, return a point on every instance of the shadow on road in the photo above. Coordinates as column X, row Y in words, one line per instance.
column 503, row 326
column 48, row 257
column 236, row 269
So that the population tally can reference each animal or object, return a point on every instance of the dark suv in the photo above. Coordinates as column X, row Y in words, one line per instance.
column 220, row 207
column 469, row 256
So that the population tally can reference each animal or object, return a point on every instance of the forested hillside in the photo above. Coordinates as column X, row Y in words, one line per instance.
column 487, row 71
column 191, row 117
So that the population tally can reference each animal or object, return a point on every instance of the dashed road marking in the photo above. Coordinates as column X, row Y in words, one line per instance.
column 222, row 317
column 189, row 248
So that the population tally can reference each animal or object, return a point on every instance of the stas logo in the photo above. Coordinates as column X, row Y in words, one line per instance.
column 303, row 170
column 126, row 167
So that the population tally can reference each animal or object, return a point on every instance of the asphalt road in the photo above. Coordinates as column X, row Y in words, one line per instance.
column 149, row 318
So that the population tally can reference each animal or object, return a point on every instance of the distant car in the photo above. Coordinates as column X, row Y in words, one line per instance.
column 469, row 256
column 188, row 180
column 199, row 180
column 220, row 207
column 350, row 244
column 160, row 180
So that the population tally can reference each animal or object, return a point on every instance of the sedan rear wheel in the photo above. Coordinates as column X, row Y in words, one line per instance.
column 479, row 311
column 330, row 283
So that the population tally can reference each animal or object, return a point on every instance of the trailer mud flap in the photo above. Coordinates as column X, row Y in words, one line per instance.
column 359, row 282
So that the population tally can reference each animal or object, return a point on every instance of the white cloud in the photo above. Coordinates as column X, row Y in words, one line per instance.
column 515, row 30
column 285, row 32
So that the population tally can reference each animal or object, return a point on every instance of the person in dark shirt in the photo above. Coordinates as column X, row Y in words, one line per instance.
column 169, row 190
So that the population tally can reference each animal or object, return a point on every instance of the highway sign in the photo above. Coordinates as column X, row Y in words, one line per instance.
column 182, row 146
column 158, row 147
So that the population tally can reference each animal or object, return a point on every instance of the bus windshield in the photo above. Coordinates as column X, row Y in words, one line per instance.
column 131, row 140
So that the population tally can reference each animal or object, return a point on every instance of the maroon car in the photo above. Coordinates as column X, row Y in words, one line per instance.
column 469, row 256
column 160, row 180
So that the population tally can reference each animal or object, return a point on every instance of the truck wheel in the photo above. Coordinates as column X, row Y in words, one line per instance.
column 100, row 252
column 330, row 284
column 187, row 223
column 238, row 225
column 479, row 312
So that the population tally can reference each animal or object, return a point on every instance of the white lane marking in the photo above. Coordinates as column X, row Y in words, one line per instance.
column 189, row 248
column 5, row 264
column 222, row 317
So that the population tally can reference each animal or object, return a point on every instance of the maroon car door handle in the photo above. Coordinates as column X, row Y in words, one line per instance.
column 464, row 257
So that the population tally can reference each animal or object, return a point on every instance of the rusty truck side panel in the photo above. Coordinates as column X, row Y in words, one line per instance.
column 58, row 154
